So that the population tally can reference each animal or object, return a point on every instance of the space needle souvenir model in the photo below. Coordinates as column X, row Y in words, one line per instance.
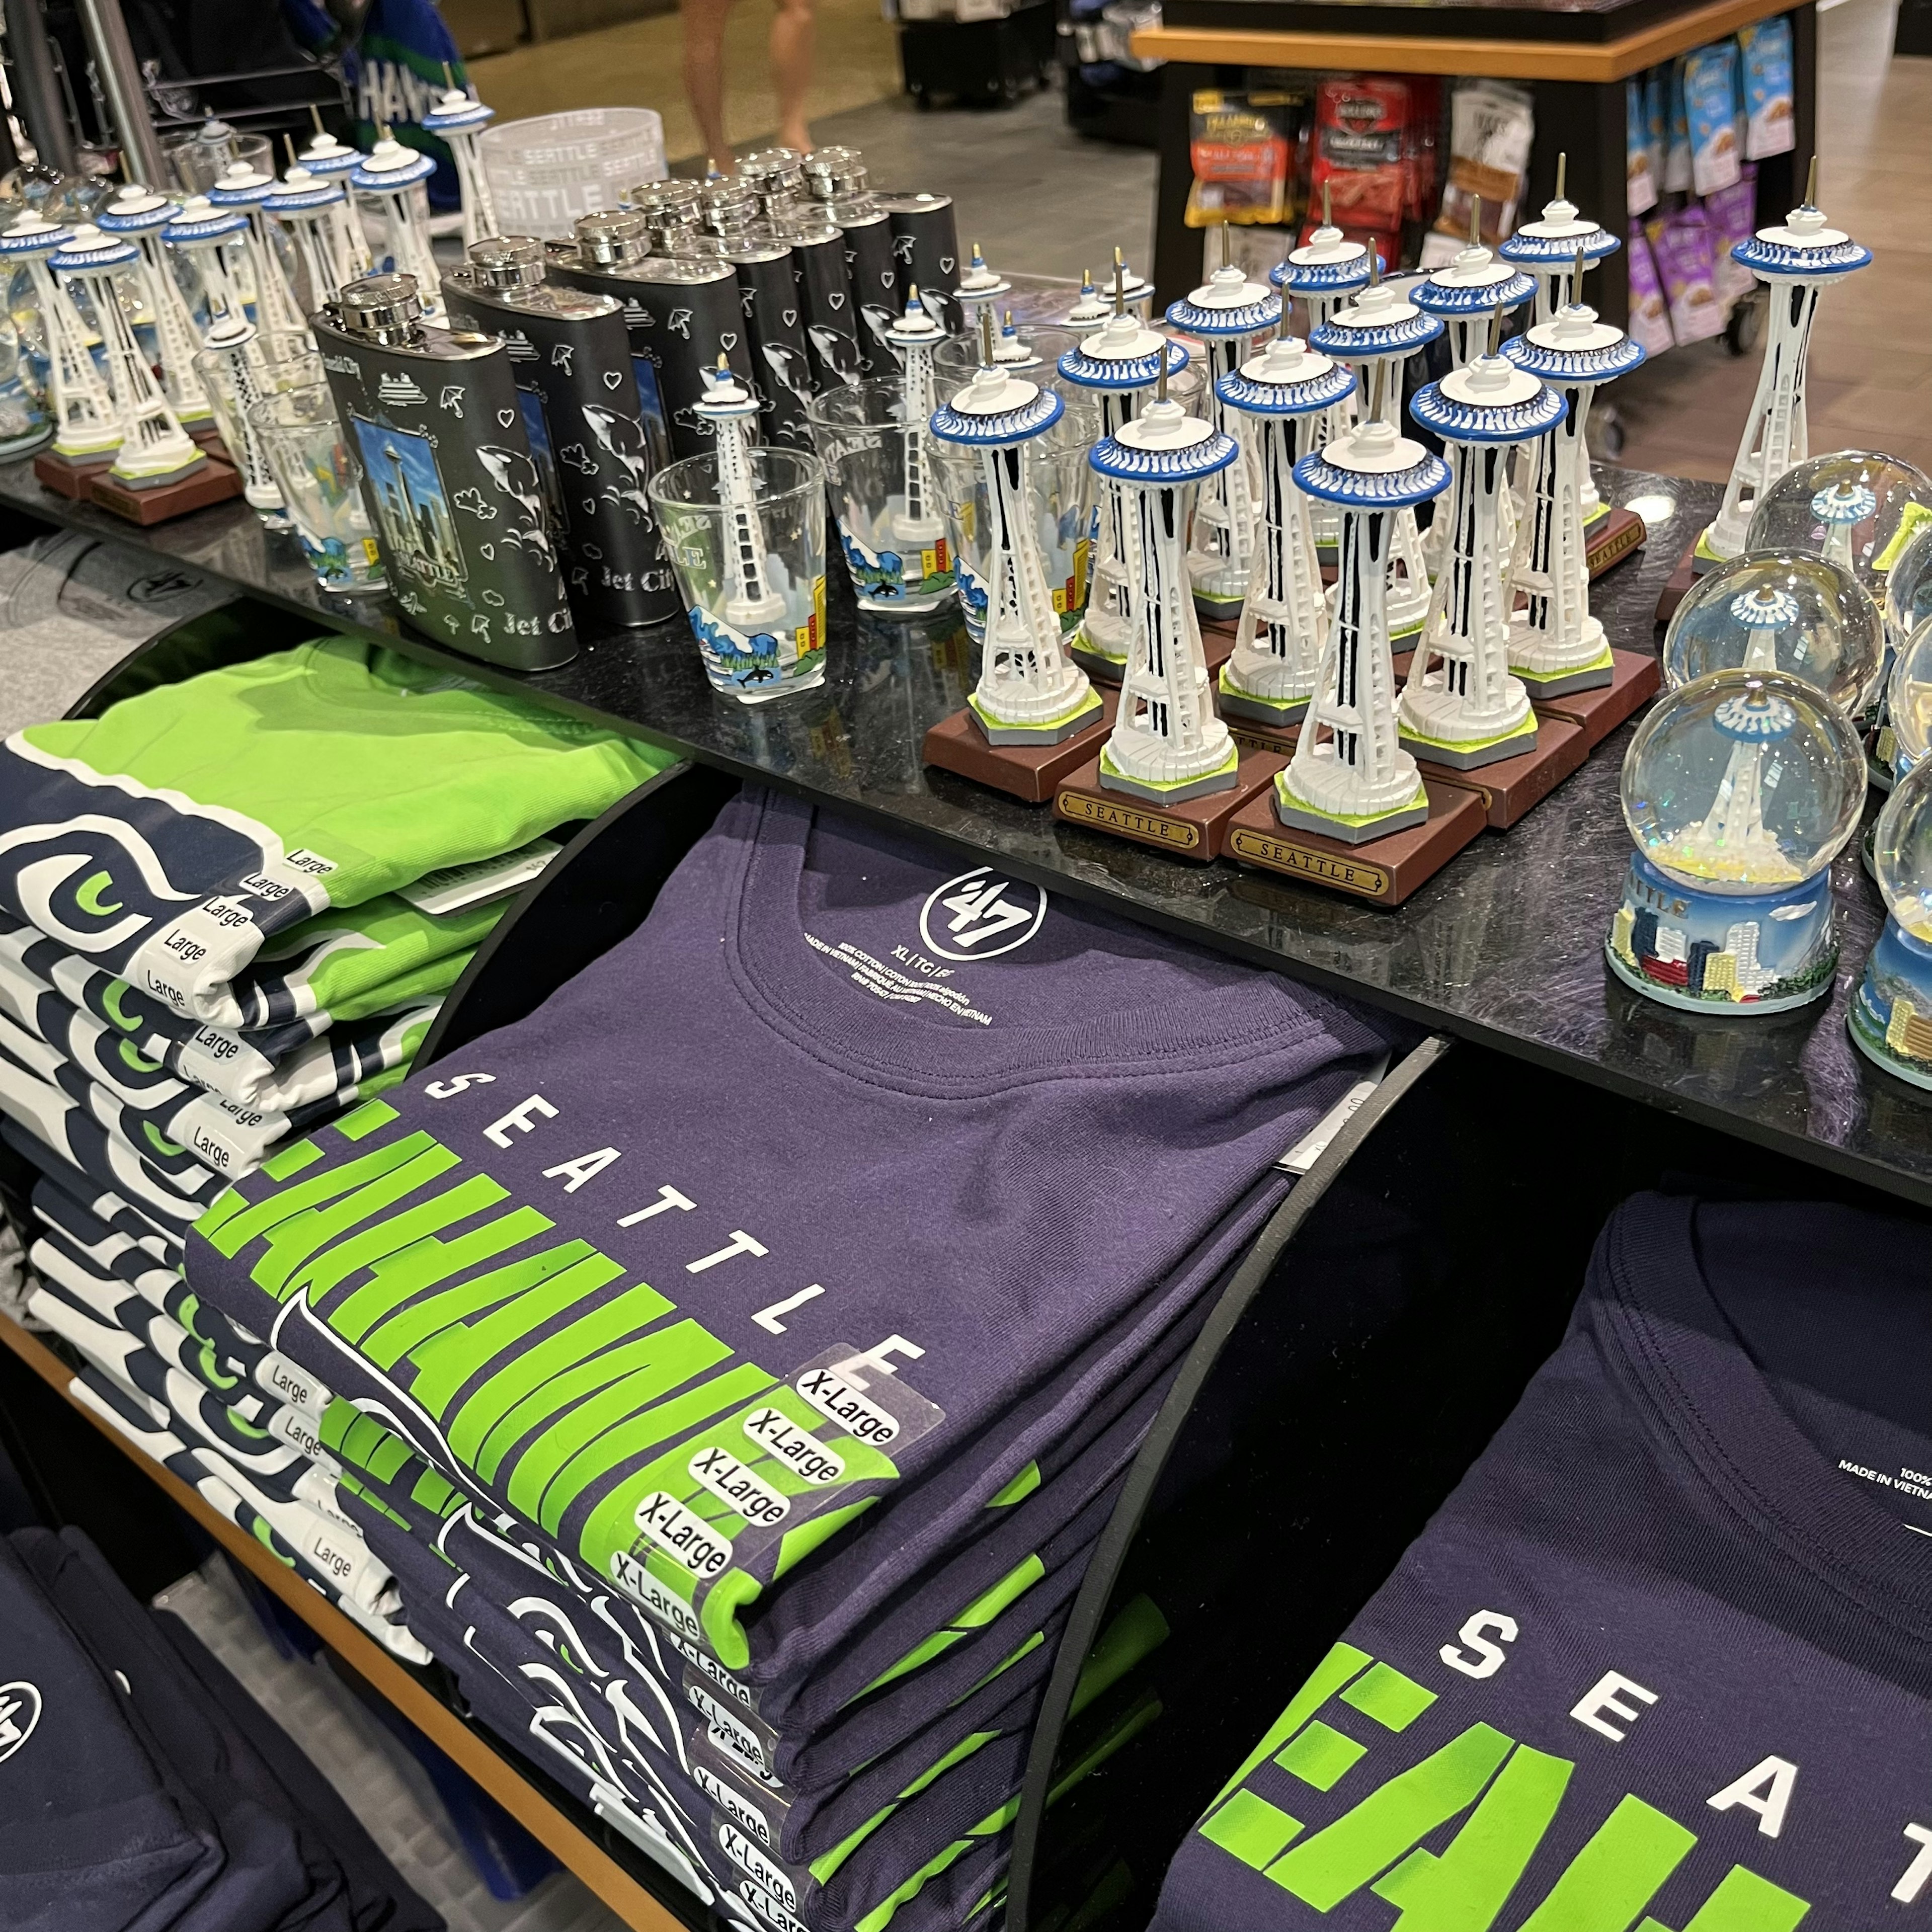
column 245, row 191
column 917, row 526
column 86, row 425
column 1739, row 790
column 1557, row 648
column 1795, row 261
column 1024, row 726
column 329, row 246
column 457, row 119
column 1226, row 312
column 210, row 240
column 1460, row 707
column 1120, row 362
column 1285, row 394
column 979, row 287
column 1380, row 330
column 1092, row 310
column 395, row 175
column 137, row 216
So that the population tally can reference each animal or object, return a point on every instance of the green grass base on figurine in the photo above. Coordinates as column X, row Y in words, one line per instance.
column 1098, row 664
column 1512, row 786
column 1717, row 1004
column 211, row 480
column 1348, row 828
column 1189, row 828
column 1634, row 681
column 1175, row 791
column 1543, row 685
column 1277, row 714
column 1047, row 731
column 1467, row 754
column 1028, row 772
column 1385, row 872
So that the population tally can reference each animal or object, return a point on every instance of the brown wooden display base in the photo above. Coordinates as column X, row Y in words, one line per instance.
column 1677, row 585
column 1251, row 735
column 1385, row 871
column 1510, row 786
column 66, row 478
column 1195, row 828
column 1029, row 772
column 1634, row 683
column 214, row 482
column 1612, row 537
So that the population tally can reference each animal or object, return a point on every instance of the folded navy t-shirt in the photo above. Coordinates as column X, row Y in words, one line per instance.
column 1664, row 1658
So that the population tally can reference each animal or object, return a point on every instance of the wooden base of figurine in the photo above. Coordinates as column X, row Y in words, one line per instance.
column 66, row 477
column 1384, row 871
column 213, row 482
column 1509, row 787
column 1612, row 537
column 1634, row 681
column 1693, row 563
column 1251, row 735
column 1029, row 772
column 1192, row 828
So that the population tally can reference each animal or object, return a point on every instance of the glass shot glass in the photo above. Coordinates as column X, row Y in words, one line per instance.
column 321, row 487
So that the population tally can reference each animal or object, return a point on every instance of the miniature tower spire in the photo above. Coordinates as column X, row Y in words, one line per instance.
column 329, row 246
column 141, row 217
column 87, row 426
column 396, row 174
column 1030, row 692
column 752, row 603
column 978, row 288
column 245, row 191
column 458, row 118
column 915, row 337
column 1284, row 624
column 1841, row 508
column 1731, row 841
column 1547, row 248
column 203, row 235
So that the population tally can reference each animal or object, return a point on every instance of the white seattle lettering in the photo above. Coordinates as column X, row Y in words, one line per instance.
column 741, row 1243
column 1919, row 1872
column 1600, row 1703
column 1488, row 1657
column 875, row 1358
column 767, row 1319
column 448, row 1090
column 586, row 1167
column 1766, row 1788
column 668, row 1198
column 519, row 1116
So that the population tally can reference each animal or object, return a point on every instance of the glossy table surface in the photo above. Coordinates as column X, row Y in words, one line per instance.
column 1504, row 945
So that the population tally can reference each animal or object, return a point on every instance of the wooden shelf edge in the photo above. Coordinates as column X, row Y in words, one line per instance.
column 576, row 1852
column 1600, row 63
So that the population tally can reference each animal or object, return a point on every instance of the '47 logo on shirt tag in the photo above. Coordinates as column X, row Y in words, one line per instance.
column 980, row 915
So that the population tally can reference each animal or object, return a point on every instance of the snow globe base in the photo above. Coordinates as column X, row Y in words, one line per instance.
column 1891, row 1014
column 1722, row 952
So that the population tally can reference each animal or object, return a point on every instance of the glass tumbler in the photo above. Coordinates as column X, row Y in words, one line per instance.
column 891, row 529
column 752, row 575
column 321, row 488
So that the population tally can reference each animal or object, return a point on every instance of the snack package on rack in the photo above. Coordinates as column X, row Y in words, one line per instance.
column 1640, row 184
column 1677, row 133
column 1237, row 145
column 1656, row 94
column 1771, row 126
column 1712, row 109
column 1491, row 126
column 1733, row 214
column 1681, row 244
column 1420, row 149
column 1360, row 154
column 1649, row 319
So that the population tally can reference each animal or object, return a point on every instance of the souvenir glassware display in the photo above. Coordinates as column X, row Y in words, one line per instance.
column 210, row 242
column 1556, row 645
column 1855, row 507
column 142, row 218
column 1739, row 790
column 1167, row 742
column 393, row 176
column 1285, row 394
column 1891, row 1014
column 1796, row 262
column 321, row 221
column 86, row 426
column 1350, row 779
column 1908, row 703
column 457, row 119
column 1029, row 348
column 895, row 546
column 1780, row 611
column 233, row 374
column 25, row 424
column 1460, row 707
column 1118, row 363
column 1227, row 312
column 1380, row 330
column 1030, row 692
column 153, row 448
column 316, row 479
column 246, row 191
column 744, row 528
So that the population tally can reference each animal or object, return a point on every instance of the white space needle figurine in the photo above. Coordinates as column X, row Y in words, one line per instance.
column 1350, row 778
column 155, row 448
column 914, row 337
column 203, row 234
column 1168, row 743
column 1226, row 312
column 457, row 119
column 979, row 288
column 1731, row 841
column 87, row 425
column 1121, row 361
column 136, row 215
column 1795, row 262
column 244, row 191
column 396, row 174
column 329, row 246
column 1288, row 387
column 751, row 603
column 1460, row 706
column 1379, row 330
column 1030, row 692
column 1555, row 645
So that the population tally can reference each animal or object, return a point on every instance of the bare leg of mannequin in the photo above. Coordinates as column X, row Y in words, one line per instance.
column 792, row 27
column 704, row 72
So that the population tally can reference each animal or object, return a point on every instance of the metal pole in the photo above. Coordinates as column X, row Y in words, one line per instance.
column 36, row 94
column 126, row 101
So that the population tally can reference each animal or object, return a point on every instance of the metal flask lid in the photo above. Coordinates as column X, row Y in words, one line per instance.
column 507, row 261
column 831, row 172
column 384, row 308
column 615, row 238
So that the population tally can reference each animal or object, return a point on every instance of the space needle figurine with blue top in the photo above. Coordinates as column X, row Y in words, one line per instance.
column 457, row 119
column 1226, row 312
column 1286, row 393
column 138, row 216
column 1379, row 330
column 1121, row 361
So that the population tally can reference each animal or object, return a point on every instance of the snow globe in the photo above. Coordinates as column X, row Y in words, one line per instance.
column 1739, row 789
column 1891, row 1015
column 1855, row 507
column 1908, row 730
column 1787, row 610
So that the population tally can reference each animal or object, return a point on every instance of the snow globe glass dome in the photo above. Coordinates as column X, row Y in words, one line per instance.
column 1909, row 701
column 1784, row 611
column 1856, row 506
column 1890, row 1016
column 1739, row 790
column 1908, row 587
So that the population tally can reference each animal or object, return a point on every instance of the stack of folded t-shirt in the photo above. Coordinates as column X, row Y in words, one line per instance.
column 141, row 1787
column 1664, row 1658
column 229, row 909
column 737, row 1360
